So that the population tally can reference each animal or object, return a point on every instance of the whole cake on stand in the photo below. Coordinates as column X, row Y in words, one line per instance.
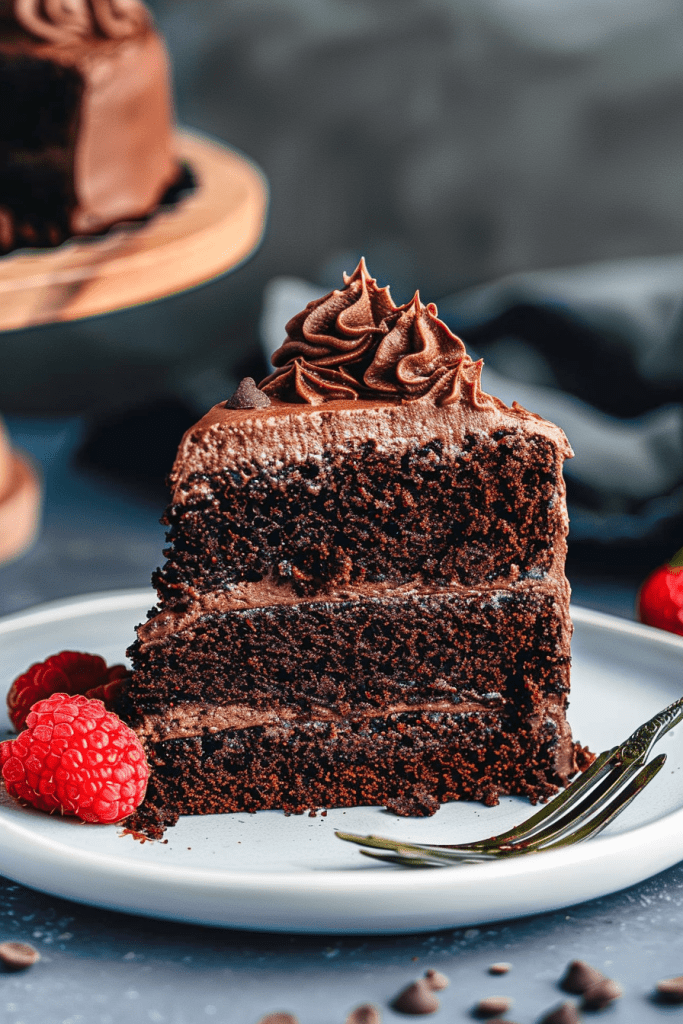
column 86, row 120
column 364, row 599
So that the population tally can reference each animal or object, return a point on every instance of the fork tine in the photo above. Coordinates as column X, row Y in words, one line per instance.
column 587, row 808
column 620, row 803
column 434, row 852
column 407, row 862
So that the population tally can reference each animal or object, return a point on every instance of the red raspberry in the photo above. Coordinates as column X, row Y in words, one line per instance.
column 660, row 600
column 68, row 672
column 77, row 758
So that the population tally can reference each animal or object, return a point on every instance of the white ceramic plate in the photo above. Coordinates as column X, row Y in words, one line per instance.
column 270, row 872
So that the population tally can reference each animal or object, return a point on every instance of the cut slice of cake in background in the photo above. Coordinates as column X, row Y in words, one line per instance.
column 85, row 119
column 364, row 599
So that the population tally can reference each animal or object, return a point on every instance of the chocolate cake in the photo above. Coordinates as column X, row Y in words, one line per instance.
column 364, row 598
column 85, row 119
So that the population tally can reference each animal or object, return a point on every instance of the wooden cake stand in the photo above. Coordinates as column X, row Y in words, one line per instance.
column 208, row 233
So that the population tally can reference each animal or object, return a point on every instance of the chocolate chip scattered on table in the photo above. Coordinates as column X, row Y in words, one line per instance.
column 436, row 980
column 279, row 1018
column 579, row 977
column 600, row 995
column 565, row 1013
column 366, row 1014
column 670, row 990
column 492, row 1006
column 416, row 999
column 17, row 956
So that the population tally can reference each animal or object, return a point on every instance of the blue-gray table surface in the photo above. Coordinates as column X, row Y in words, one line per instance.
column 106, row 968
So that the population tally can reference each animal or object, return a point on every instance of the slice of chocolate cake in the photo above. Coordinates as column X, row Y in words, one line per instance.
column 85, row 119
column 364, row 600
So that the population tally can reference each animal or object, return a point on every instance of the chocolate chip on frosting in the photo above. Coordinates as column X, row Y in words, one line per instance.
column 366, row 1014
column 416, row 999
column 565, row 1013
column 600, row 995
column 16, row 956
column 670, row 990
column 492, row 1006
column 579, row 977
column 248, row 396
column 436, row 980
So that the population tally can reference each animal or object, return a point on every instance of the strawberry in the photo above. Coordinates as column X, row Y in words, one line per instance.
column 660, row 599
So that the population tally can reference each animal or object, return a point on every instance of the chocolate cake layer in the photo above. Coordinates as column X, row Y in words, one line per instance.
column 486, row 510
column 411, row 762
column 362, row 654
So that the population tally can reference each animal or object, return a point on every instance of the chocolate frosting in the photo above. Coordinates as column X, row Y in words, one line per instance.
column 356, row 343
column 62, row 21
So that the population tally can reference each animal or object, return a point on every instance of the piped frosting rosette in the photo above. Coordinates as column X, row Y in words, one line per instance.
column 356, row 343
column 61, row 21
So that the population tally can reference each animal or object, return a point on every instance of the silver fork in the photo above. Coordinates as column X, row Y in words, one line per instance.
column 579, row 812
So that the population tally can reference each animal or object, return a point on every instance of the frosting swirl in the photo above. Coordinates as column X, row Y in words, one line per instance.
column 341, row 326
column 418, row 357
column 355, row 342
column 62, row 21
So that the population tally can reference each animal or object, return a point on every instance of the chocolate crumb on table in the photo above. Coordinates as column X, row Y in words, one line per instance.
column 16, row 956
column 416, row 999
column 670, row 990
column 579, row 977
column 600, row 995
column 492, row 1006
column 366, row 1014
column 565, row 1013
column 436, row 980
column 500, row 968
